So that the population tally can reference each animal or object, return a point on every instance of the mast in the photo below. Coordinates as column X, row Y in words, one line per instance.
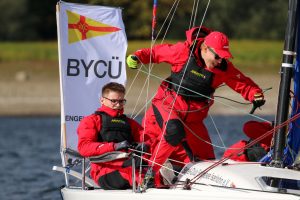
column 286, row 71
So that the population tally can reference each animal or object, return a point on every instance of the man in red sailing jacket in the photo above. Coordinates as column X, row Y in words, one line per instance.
column 253, row 129
column 107, row 130
column 198, row 66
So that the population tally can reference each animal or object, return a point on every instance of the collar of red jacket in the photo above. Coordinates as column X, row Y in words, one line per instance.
column 110, row 111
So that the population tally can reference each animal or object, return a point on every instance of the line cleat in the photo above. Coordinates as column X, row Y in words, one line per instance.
column 187, row 184
column 148, row 181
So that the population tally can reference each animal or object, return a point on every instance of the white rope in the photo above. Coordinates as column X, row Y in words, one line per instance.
column 173, row 160
column 191, row 19
column 139, row 96
column 163, row 166
column 173, row 103
column 143, row 108
column 172, row 17
column 151, row 65
column 149, row 74
column 194, row 14
column 244, row 112
column 217, row 130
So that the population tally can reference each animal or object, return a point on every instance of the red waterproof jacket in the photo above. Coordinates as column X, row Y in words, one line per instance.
column 178, row 54
column 88, row 144
column 242, row 157
column 253, row 129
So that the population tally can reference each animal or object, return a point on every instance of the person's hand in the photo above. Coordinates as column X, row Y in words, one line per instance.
column 258, row 100
column 121, row 145
column 132, row 61
column 142, row 147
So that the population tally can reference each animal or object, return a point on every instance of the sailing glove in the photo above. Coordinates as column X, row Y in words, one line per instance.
column 138, row 161
column 132, row 61
column 121, row 145
column 142, row 147
column 258, row 100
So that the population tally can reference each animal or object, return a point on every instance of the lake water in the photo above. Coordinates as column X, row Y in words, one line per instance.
column 29, row 147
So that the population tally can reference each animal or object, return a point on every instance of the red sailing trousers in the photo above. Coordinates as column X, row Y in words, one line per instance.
column 190, row 114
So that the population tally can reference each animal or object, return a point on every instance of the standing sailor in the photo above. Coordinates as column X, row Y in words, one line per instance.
column 198, row 66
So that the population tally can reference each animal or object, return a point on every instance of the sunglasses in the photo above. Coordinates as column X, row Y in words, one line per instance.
column 217, row 57
column 115, row 101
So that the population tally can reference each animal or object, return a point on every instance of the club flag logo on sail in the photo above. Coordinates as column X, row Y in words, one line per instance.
column 82, row 28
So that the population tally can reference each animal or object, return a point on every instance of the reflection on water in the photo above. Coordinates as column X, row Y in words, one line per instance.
column 29, row 147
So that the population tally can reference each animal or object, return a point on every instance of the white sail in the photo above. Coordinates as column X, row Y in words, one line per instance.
column 92, row 48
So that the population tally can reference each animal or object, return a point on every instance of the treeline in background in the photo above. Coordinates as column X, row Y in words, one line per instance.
column 34, row 20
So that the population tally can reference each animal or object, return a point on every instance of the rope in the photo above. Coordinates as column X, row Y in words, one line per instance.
column 177, row 161
column 151, row 65
column 211, row 118
column 194, row 13
column 173, row 103
column 242, row 149
column 212, row 99
column 150, row 69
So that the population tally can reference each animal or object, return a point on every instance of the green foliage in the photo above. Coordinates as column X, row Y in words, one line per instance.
column 27, row 20
column 11, row 13
column 264, row 19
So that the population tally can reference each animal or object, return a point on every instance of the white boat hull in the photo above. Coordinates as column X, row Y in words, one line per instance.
column 206, row 192
column 246, row 175
column 234, row 180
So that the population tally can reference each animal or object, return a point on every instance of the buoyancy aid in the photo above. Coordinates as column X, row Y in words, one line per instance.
column 256, row 151
column 195, row 78
column 114, row 129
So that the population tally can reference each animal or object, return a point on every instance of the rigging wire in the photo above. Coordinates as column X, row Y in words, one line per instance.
column 218, row 132
column 173, row 103
column 165, row 167
column 243, row 148
column 139, row 96
column 149, row 154
column 150, row 69
column 151, row 65
column 216, row 146
column 212, row 99
column 172, row 17
column 194, row 14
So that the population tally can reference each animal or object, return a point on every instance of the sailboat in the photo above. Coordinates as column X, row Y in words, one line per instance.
column 279, row 178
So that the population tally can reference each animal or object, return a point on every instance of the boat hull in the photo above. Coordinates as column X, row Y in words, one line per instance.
column 206, row 192
column 233, row 180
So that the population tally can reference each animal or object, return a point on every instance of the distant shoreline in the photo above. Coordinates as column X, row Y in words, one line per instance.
column 41, row 98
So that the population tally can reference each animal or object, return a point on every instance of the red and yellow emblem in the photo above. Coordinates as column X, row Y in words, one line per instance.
column 82, row 28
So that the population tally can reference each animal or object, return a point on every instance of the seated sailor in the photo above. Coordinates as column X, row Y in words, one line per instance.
column 108, row 130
